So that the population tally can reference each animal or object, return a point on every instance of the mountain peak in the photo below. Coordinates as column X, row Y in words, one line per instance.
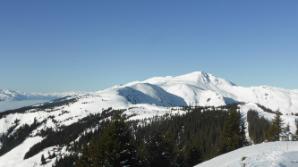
column 203, row 78
column 196, row 75
column 198, row 78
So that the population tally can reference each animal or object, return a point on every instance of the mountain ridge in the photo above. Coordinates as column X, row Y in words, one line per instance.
column 204, row 89
column 197, row 88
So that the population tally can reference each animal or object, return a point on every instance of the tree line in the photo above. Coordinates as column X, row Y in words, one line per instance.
column 261, row 129
column 180, row 140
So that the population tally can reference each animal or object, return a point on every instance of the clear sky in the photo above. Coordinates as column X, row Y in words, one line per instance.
column 63, row 45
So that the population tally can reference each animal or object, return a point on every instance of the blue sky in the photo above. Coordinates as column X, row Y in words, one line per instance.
column 63, row 45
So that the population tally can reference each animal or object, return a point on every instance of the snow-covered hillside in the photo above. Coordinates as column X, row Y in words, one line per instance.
column 201, row 89
column 274, row 154
column 141, row 99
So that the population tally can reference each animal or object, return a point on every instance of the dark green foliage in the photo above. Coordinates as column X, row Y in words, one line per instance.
column 276, row 128
column 261, row 129
column 66, row 161
column 258, row 127
column 287, row 128
column 231, row 137
column 188, row 139
column 160, row 151
column 243, row 140
column 113, row 148
column 43, row 160
column 296, row 121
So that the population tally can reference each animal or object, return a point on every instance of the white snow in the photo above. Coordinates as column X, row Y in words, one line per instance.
column 15, row 158
column 274, row 154
column 198, row 87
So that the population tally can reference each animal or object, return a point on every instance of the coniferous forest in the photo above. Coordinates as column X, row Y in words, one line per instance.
column 179, row 140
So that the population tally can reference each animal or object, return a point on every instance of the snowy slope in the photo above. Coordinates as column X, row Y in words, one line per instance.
column 199, row 88
column 62, row 116
column 275, row 154
column 203, row 89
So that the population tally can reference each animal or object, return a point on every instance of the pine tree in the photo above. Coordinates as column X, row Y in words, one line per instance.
column 43, row 160
column 192, row 156
column 287, row 129
column 296, row 121
column 258, row 127
column 159, row 151
column 231, row 137
column 114, row 148
column 276, row 128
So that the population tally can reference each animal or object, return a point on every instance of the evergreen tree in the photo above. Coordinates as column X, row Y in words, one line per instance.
column 243, row 141
column 276, row 128
column 43, row 160
column 231, row 136
column 287, row 128
column 113, row 148
column 258, row 127
column 296, row 121
column 160, row 151
column 176, row 140
column 192, row 156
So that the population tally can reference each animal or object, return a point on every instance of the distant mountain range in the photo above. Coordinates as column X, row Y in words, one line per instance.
column 13, row 95
column 10, row 99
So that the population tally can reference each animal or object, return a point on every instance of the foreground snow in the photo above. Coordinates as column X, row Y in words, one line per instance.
column 274, row 154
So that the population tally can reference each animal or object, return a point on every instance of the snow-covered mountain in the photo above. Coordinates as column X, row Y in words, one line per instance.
column 193, row 89
column 275, row 154
column 200, row 89
column 140, row 99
